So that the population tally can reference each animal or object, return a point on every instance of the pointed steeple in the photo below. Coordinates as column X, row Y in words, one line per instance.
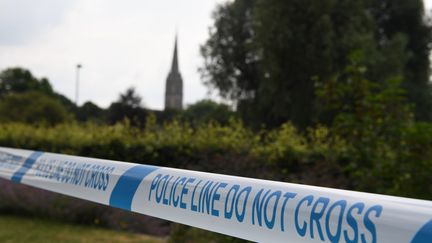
column 174, row 84
column 174, row 66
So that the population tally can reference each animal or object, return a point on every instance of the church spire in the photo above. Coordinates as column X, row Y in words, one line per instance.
column 174, row 66
column 174, row 84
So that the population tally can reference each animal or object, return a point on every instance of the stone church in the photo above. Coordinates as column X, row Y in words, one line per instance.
column 174, row 85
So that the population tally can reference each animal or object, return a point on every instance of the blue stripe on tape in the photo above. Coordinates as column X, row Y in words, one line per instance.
column 28, row 163
column 424, row 235
column 124, row 190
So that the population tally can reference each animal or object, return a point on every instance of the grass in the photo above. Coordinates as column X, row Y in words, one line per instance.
column 15, row 229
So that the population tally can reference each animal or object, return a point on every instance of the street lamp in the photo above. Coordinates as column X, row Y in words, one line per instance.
column 78, row 67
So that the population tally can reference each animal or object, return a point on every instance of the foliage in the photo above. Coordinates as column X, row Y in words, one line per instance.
column 229, row 57
column 90, row 112
column 407, row 18
column 32, row 107
column 130, row 98
column 18, row 80
column 293, row 54
column 373, row 145
column 378, row 127
column 15, row 82
column 392, row 156
column 264, row 55
column 412, row 176
column 205, row 111
column 128, row 106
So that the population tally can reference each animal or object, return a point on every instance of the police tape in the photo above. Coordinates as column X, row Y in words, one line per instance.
column 252, row 209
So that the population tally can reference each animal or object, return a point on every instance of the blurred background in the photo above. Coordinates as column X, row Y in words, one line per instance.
column 333, row 93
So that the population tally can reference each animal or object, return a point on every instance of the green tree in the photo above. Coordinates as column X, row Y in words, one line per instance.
column 407, row 18
column 373, row 119
column 128, row 106
column 205, row 111
column 32, row 107
column 90, row 112
column 18, row 80
column 230, row 58
column 130, row 98
column 265, row 55
column 299, row 40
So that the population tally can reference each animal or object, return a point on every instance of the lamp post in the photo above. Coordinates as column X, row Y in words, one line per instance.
column 78, row 67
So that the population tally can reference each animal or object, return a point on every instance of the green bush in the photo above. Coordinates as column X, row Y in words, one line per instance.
column 32, row 107
column 382, row 160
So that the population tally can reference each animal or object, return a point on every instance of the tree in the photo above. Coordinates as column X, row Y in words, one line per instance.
column 18, row 80
column 407, row 18
column 90, row 112
column 373, row 119
column 299, row 40
column 230, row 59
column 265, row 55
column 205, row 111
column 128, row 106
column 32, row 107
column 130, row 98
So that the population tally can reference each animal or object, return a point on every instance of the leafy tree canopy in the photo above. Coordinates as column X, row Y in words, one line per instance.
column 128, row 106
column 90, row 112
column 265, row 55
column 207, row 110
column 130, row 98
column 32, row 107
column 18, row 80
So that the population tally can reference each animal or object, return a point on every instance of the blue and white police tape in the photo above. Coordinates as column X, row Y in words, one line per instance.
column 257, row 210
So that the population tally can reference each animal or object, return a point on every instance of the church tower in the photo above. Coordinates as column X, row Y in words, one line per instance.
column 174, row 84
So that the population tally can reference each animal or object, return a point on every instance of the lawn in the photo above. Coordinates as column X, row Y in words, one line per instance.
column 15, row 229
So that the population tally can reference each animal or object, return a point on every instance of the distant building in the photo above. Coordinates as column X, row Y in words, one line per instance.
column 174, row 84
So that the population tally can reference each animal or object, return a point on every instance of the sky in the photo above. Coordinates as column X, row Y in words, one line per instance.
column 120, row 44
column 428, row 4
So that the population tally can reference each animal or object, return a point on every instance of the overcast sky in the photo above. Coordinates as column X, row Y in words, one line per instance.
column 120, row 43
